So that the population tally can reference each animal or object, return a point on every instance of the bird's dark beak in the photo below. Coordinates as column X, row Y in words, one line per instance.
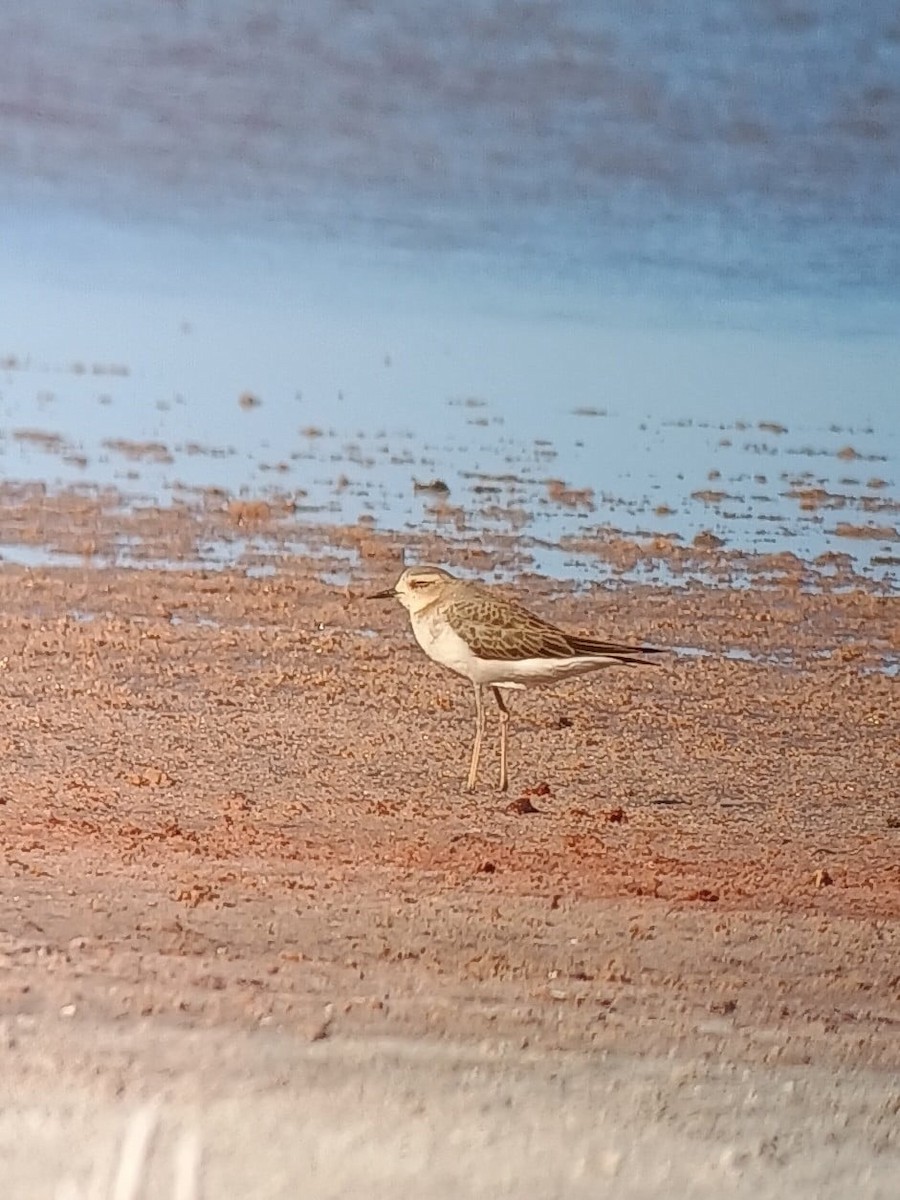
column 388, row 594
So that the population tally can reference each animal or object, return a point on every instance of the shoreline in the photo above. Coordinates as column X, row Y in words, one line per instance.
column 211, row 529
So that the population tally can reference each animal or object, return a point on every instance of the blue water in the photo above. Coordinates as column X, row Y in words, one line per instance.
column 687, row 218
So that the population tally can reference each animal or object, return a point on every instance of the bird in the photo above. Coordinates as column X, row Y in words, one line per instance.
column 496, row 643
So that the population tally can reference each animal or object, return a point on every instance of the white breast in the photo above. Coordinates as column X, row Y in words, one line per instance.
column 446, row 647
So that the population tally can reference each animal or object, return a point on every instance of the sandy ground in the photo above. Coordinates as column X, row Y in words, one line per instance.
column 250, row 919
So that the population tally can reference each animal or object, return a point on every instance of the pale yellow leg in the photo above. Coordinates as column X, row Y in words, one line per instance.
column 479, row 735
column 504, row 731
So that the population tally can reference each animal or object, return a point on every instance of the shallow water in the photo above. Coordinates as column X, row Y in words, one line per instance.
column 494, row 245
column 754, row 144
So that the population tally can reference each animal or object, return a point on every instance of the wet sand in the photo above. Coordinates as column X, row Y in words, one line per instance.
column 233, row 811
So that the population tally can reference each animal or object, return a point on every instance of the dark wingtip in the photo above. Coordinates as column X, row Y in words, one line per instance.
column 650, row 650
column 625, row 653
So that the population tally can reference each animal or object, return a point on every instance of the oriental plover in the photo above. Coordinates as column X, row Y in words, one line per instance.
column 496, row 643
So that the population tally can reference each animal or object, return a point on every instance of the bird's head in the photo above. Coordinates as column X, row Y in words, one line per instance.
column 417, row 587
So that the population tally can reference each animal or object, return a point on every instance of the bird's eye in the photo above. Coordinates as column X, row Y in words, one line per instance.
column 418, row 583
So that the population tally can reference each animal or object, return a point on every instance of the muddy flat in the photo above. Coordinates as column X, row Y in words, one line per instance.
column 242, row 881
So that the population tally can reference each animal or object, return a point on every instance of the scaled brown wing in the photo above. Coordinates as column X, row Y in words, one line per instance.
column 502, row 630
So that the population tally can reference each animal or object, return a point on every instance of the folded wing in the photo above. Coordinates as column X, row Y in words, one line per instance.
column 500, row 629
